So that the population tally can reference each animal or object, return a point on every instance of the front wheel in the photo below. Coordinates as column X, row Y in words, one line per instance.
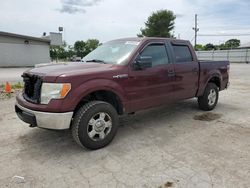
column 95, row 125
column 209, row 99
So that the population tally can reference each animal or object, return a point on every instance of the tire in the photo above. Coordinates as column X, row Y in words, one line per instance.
column 95, row 125
column 209, row 99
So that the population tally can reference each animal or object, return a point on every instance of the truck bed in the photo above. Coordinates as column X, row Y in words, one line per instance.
column 213, row 68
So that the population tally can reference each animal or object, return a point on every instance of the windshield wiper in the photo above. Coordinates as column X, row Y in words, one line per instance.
column 96, row 61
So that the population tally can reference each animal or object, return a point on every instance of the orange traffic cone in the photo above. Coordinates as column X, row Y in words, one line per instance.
column 7, row 88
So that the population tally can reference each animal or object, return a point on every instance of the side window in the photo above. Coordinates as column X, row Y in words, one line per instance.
column 157, row 52
column 182, row 54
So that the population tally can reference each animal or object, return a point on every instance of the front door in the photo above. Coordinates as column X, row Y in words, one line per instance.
column 152, row 86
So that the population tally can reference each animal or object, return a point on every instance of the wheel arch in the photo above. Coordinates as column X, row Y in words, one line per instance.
column 214, row 78
column 105, row 95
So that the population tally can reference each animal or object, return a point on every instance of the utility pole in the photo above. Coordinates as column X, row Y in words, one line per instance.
column 196, row 29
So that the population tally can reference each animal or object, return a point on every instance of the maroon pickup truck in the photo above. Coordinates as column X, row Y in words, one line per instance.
column 119, row 77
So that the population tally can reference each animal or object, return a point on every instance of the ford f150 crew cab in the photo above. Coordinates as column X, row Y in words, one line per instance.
column 119, row 77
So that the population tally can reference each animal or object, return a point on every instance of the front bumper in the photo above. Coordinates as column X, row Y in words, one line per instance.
column 45, row 120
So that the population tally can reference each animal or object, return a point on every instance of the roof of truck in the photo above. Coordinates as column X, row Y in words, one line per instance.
column 139, row 39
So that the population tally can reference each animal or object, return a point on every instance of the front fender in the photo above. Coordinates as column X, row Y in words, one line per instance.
column 90, row 86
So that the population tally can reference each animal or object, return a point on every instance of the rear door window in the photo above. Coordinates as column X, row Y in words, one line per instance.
column 182, row 54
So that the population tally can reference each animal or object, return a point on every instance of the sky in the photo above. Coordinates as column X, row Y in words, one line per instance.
column 110, row 19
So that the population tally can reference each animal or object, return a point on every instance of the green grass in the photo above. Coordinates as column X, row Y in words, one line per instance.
column 15, row 87
column 18, row 85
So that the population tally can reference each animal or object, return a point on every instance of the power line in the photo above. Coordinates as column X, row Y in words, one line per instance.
column 226, row 35
column 192, row 39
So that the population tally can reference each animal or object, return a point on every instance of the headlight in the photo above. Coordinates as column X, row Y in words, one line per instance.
column 54, row 91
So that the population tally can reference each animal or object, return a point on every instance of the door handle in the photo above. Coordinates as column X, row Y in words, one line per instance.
column 195, row 70
column 171, row 73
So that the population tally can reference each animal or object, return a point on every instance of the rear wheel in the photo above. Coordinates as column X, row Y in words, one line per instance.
column 95, row 125
column 209, row 99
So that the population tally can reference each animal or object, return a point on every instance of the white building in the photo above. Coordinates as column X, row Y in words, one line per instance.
column 24, row 51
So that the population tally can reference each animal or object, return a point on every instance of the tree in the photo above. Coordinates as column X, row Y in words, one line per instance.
column 82, row 48
column 232, row 43
column 159, row 24
column 79, row 48
column 70, row 52
column 209, row 46
column 222, row 47
column 91, row 44
column 199, row 47
column 58, row 52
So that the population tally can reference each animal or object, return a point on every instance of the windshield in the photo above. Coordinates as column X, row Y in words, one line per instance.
column 114, row 52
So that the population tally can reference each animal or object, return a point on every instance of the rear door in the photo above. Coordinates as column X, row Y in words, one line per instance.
column 186, row 71
column 152, row 86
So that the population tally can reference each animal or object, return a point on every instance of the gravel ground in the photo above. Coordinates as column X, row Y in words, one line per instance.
column 171, row 146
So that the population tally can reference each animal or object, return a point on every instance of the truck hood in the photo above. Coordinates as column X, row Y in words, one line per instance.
column 67, row 69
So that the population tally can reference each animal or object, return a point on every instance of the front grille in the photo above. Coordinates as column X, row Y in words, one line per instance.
column 32, row 88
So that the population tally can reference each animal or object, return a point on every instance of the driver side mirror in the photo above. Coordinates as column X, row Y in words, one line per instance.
column 142, row 62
